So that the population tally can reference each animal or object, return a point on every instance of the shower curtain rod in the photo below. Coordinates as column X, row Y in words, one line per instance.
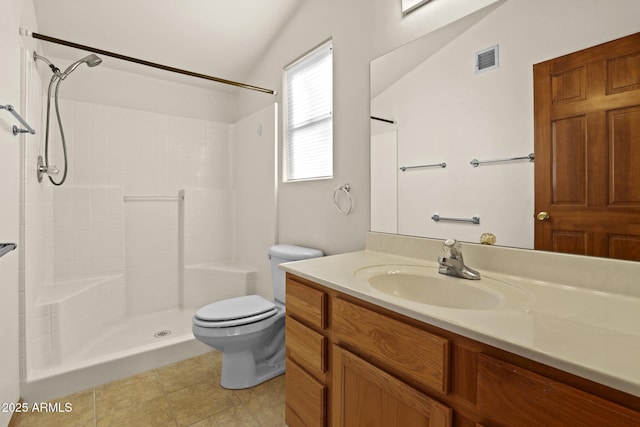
column 149, row 64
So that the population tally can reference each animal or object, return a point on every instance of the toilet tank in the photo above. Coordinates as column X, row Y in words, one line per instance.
column 286, row 253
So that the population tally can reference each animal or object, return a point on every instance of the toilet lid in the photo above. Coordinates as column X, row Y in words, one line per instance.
column 250, row 306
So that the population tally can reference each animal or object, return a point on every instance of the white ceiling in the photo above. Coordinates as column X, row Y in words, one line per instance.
column 222, row 38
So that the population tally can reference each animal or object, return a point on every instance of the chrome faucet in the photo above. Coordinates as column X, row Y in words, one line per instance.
column 452, row 263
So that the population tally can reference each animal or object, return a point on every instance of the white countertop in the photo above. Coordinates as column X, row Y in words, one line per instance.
column 588, row 332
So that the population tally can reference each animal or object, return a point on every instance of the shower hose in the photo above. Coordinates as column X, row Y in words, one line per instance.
column 46, row 137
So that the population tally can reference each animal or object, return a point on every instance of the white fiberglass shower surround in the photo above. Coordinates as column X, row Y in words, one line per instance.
column 154, row 220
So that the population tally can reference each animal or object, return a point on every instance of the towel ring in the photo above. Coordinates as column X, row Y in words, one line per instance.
column 346, row 188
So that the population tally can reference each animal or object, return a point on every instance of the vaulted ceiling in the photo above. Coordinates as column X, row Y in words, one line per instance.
column 216, row 37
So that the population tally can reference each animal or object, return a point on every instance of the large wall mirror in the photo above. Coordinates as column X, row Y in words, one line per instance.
column 438, row 108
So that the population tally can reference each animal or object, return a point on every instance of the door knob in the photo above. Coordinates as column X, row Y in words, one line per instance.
column 543, row 216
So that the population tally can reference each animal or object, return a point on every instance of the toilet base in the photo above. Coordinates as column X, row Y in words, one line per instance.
column 239, row 370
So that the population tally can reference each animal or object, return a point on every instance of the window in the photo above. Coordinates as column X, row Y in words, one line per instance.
column 308, row 114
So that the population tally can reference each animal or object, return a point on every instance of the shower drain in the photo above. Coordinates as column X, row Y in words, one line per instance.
column 163, row 333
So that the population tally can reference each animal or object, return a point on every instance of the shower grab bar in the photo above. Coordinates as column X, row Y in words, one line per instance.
column 474, row 220
column 152, row 198
column 16, row 129
column 476, row 162
column 435, row 165
column 5, row 248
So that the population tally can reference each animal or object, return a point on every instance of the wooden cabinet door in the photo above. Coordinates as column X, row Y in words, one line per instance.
column 364, row 395
column 512, row 396
column 587, row 147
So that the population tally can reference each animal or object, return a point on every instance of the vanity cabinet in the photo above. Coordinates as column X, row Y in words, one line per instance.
column 352, row 363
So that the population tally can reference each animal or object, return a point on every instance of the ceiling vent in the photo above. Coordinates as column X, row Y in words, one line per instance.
column 487, row 59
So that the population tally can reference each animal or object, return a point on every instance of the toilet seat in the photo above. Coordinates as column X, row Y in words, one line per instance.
column 235, row 312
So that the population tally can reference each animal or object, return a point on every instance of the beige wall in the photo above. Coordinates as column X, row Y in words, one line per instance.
column 361, row 30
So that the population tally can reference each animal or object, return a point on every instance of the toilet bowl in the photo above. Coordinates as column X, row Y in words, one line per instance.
column 249, row 330
column 250, row 343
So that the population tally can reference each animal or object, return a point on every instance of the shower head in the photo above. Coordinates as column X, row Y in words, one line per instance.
column 91, row 60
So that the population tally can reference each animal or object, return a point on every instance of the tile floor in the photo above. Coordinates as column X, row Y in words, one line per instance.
column 186, row 393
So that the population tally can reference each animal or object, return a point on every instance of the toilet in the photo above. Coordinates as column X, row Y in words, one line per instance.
column 249, row 330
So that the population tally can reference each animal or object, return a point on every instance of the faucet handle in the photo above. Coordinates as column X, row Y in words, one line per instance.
column 452, row 248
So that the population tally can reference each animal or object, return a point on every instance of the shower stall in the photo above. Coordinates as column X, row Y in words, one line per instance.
column 154, row 219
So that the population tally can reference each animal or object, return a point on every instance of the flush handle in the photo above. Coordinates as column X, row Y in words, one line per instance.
column 543, row 216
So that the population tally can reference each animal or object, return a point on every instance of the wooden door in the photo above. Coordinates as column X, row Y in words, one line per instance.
column 364, row 395
column 587, row 147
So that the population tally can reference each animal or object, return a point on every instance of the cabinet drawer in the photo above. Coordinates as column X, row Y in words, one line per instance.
column 408, row 350
column 306, row 347
column 305, row 397
column 306, row 303
column 520, row 397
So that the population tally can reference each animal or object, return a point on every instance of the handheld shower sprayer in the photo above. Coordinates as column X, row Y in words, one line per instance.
column 91, row 61
column 44, row 167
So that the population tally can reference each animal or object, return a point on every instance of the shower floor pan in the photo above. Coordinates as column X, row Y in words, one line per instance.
column 131, row 346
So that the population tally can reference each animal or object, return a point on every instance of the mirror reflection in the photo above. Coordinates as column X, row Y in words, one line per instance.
column 443, row 109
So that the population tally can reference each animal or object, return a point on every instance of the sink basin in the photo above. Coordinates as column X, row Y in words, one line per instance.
column 426, row 286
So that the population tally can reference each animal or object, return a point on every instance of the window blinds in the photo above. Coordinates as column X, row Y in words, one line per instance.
column 309, row 123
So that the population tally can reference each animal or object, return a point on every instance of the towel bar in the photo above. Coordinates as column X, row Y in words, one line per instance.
column 475, row 162
column 16, row 129
column 474, row 220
